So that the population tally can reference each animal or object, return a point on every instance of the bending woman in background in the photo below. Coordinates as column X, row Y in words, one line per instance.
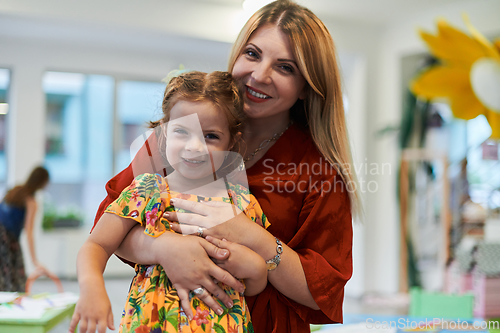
column 17, row 211
column 298, row 164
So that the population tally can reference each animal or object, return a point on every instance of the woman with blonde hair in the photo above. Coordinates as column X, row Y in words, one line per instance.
column 298, row 166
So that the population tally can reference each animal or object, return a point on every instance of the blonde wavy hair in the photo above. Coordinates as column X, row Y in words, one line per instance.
column 323, row 108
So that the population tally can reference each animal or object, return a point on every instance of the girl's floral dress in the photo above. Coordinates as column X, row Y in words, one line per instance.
column 152, row 303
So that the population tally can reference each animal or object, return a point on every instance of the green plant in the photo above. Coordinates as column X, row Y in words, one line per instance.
column 54, row 218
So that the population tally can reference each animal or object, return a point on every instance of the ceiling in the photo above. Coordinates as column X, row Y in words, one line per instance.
column 214, row 20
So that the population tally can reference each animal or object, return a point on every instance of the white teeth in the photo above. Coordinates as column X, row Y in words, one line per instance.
column 256, row 94
column 192, row 161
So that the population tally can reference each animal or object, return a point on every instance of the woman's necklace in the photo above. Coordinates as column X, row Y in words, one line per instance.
column 266, row 142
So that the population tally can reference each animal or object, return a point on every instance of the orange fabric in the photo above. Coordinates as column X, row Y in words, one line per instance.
column 308, row 205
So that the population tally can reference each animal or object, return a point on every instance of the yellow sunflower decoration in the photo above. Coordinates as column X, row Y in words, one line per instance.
column 468, row 74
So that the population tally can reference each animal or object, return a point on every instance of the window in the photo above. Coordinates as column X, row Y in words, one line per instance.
column 79, row 136
column 88, row 138
column 137, row 104
column 4, row 108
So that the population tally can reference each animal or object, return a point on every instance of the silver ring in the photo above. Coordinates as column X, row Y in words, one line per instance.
column 199, row 291
column 200, row 231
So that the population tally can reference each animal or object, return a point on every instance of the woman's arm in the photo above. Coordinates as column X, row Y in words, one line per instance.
column 29, row 223
column 288, row 277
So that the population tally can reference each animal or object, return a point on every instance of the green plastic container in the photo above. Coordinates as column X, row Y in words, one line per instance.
column 439, row 305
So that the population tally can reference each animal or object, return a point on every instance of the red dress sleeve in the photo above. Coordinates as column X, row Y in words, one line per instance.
column 324, row 246
column 114, row 187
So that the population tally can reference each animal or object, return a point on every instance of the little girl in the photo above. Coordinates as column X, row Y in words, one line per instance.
column 192, row 100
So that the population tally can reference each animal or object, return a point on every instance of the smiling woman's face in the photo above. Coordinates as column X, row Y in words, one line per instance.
column 267, row 73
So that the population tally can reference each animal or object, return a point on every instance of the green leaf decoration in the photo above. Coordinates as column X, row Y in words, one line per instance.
column 173, row 312
column 224, row 313
column 172, row 316
column 135, row 302
column 125, row 196
column 203, row 327
column 236, row 309
column 162, row 315
column 149, row 185
column 150, row 289
column 125, row 210
column 134, row 325
column 154, row 280
column 196, row 302
column 235, row 317
column 164, row 281
column 150, row 205
column 173, row 320
column 218, row 328
column 172, row 298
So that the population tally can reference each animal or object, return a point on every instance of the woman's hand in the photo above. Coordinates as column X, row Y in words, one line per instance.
column 239, row 254
column 42, row 270
column 92, row 311
column 188, row 266
column 216, row 220
column 235, row 227
column 206, row 214
column 244, row 264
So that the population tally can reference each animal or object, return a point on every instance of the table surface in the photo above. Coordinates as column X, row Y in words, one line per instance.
column 40, row 325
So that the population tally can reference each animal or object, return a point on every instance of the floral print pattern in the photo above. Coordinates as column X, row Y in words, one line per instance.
column 153, row 305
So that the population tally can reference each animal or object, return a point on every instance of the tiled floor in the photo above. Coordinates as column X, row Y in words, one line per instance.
column 117, row 291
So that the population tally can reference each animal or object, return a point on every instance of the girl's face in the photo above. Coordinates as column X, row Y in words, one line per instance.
column 268, row 74
column 197, row 138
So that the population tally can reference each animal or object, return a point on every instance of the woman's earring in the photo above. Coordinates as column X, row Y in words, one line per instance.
column 241, row 167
